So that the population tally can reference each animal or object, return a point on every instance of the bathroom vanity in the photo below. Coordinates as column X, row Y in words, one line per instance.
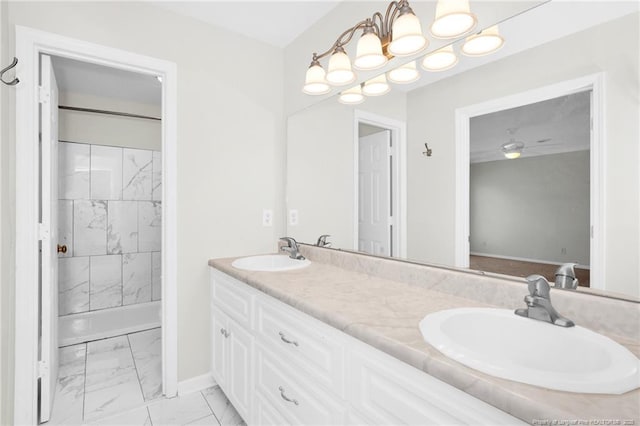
column 338, row 342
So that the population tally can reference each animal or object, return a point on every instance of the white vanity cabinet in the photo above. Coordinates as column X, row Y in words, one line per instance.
column 280, row 366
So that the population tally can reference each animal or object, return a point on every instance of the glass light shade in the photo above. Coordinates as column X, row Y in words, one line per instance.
column 314, row 82
column 352, row 96
column 369, row 53
column 440, row 60
column 377, row 86
column 407, row 37
column 512, row 149
column 483, row 43
column 339, row 71
column 453, row 18
column 408, row 73
column 512, row 155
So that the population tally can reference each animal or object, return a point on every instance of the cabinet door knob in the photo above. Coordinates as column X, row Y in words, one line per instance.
column 284, row 339
column 62, row 249
column 281, row 389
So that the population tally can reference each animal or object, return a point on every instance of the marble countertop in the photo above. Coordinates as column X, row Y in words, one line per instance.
column 385, row 314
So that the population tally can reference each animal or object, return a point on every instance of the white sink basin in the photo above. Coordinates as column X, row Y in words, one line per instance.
column 502, row 344
column 270, row 263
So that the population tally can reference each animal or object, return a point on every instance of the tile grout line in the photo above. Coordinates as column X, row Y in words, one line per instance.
column 135, row 366
column 84, row 386
column 210, row 408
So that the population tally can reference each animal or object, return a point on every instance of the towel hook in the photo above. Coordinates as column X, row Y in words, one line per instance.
column 15, row 80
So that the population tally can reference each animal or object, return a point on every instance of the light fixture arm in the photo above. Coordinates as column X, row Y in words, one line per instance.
column 381, row 27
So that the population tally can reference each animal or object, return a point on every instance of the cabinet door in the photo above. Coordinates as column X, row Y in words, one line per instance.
column 219, row 329
column 240, row 350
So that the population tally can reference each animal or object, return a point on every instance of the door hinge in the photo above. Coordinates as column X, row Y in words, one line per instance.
column 43, row 368
column 43, row 232
column 43, row 95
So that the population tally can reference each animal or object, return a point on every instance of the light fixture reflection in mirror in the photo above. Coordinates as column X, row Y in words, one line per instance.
column 453, row 19
column 377, row 86
column 340, row 72
column 512, row 150
column 483, row 43
column 352, row 96
column 440, row 60
column 407, row 73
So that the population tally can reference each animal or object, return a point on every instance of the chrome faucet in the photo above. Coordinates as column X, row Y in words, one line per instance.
column 291, row 248
column 539, row 303
column 566, row 277
column 322, row 241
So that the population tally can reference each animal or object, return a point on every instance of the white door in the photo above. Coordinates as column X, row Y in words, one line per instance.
column 49, row 235
column 374, row 194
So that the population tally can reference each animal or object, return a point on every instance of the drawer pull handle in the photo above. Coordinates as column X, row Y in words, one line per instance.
column 224, row 332
column 285, row 396
column 284, row 339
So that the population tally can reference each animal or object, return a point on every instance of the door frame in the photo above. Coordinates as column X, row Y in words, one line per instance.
column 595, row 83
column 399, row 175
column 30, row 43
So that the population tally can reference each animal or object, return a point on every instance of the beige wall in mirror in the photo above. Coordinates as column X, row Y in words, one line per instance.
column 321, row 176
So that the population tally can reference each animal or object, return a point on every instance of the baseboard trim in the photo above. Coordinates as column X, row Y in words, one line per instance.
column 195, row 384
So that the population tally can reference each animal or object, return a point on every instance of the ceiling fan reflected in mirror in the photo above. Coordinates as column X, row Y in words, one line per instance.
column 513, row 148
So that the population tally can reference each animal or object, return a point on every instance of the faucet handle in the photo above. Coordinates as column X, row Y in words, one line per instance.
column 289, row 240
column 538, row 286
column 566, row 276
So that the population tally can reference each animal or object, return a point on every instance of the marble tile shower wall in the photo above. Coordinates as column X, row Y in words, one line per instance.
column 109, row 216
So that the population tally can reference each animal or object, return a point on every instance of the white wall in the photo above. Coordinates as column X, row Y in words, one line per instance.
column 7, row 237
column 611, row 48
column 533, row 208
column 104, row 129
column 320, row 159
column 230, row 140
column 323, row 34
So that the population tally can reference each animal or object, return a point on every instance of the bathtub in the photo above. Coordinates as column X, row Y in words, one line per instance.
column 95, row 325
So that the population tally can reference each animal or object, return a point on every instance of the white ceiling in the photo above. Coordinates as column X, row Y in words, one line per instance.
column 548, row 127
column 97, row 80
column 274, row 22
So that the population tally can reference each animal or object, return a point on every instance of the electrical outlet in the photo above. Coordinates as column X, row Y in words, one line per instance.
column 293, row 217
column 563, row 251
column 267, row 217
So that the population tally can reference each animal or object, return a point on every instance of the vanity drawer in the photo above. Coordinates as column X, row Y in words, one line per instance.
column 392, row 392
column 299, row 340
column 233, row 297
column 293, row 395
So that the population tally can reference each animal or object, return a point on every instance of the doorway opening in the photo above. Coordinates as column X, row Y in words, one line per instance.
column 380, row 185
column 529, row 199
column 95, row 230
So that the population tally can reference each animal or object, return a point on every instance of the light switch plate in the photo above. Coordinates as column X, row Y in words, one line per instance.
column 293, row 217
column 267, row 217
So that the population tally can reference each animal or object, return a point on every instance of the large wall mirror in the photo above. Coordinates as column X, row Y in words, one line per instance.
column 513, row 164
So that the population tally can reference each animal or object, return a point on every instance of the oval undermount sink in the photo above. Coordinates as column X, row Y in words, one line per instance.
column 502, row 344
column 270, row 263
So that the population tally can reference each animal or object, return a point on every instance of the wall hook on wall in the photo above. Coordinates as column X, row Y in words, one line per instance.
column 428, row 152
column 15, row 80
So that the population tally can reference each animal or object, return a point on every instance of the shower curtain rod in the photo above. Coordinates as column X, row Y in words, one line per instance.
column 101, row 111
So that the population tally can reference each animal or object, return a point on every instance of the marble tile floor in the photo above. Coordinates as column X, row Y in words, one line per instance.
column 117, row 381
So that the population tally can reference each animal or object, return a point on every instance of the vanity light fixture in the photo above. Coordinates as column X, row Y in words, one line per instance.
column 377, row 86
column 512, row 150
column 369, row 55
column 315, row 82
column 340, row 72
column 352, row 96
column 407, row 73
column 440, row 60
column 396, row 33
column 453, row 19
column 483, row 43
